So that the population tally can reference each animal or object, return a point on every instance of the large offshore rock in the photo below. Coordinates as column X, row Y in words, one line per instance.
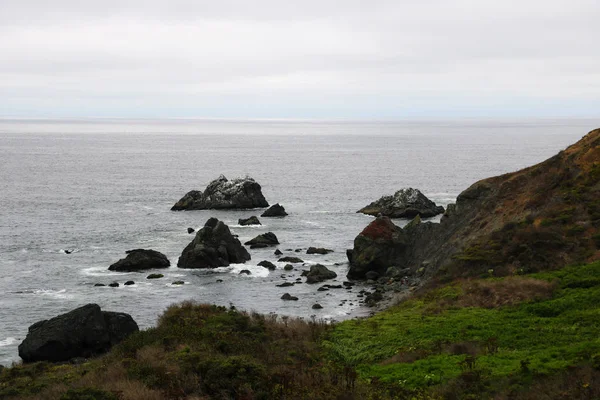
column 380, row 245
column 214, row 246
column 83, row 332
column 405, row 203
column 141, row 259
column 224, row 194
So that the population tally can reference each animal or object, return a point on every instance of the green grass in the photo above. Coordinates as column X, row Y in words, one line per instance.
column 417, row 344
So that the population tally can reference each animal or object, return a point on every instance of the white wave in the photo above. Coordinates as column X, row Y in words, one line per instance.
column 99, row 271
column 8, row 341
column 57, row 294
column 248, row 226
column 256, row 270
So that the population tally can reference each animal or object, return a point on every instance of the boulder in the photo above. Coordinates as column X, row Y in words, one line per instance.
column 276, row 210
column 253, row 220
column 319, row 273
column 113, row 284
column 318, row 250
column 287, row 296
column 83, row 332
column 191, row 230
column 288, row 267
column 224, row 194
column 129, row 283
column 317, row 306
column 278, row 252
column 268, row 265
column 379, row 246
column 289, row 259
column 140, row 259
column 214, row 246
column 262, row 240
column 405, row 203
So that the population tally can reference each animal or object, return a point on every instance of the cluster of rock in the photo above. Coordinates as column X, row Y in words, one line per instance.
column 222, row 193
column 83, row 332
column 405, row 203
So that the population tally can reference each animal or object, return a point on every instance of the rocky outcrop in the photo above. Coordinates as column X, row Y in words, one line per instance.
column 253, row 220
column 319, row 273
column 140, row 259
column 268, row 265
column 222, row 193
column 275, row 210
column 318, row 250
column 214, row 246
column 378, row 246
column 263, row 240
column 83, row 332
column 405, row 203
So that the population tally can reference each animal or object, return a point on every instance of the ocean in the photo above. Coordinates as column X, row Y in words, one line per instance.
column 101, row 187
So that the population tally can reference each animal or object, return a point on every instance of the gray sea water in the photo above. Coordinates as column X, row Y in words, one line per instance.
column 101, row 187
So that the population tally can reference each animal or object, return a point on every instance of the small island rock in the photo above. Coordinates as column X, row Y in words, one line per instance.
column 263, row 240
column 287, row 296
column 319, row 273
column 318, row 250
column 405, row 203
column 253, row 220
column 224, row 194
column 214, row 246
column 83, row 332
column 276, row 210
column 140, row 259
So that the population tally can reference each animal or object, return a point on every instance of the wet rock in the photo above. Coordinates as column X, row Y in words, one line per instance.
column 293, row 260
column 245, row 272
column 214, row 246
column 276, row 210
column 99, row 284
column 224, row 194
column 287, row 296
column 378, row 246
column 348, row 284
column 113, row 284
column 191, row 230
column 129, row 283
column 178, row 283
column 405, row 203
column 297, row 250
column 267, row 264
column 253, row 220
column 155, row 276
column 83, row 332
column 319, row 273
column 219, row 280
column 322, row 289
column 264, row 239
column 333, row 286
column 317, row 306
column 140, row 259
column 318, row 250
column 285, row 284
column 288, row 267
column 278, row 252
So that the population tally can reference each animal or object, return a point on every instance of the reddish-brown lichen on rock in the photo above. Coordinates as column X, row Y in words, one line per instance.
column 381, row 228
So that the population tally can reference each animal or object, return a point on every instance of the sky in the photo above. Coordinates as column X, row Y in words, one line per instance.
column 312, row 59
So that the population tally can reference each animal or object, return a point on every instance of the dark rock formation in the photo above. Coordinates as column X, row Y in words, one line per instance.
column 376, row 248
column 264, row 239
column 191, row 230
column 155, row 276
column 140, row 259
column 253, row 220
column 178, row 283
column 318, row 250
column 285, row 284
column 287, row 296
column 405, row 203
column 245, row 272
column 289, row 259
column 317, row 306
column 275, row 210
column 267, row 264
column 129, row 283
column 278, row 252
column 224, row 194
column 288, row 267
column 113, row 284
column 319, row 273
column 214, row 246
column 83, row 332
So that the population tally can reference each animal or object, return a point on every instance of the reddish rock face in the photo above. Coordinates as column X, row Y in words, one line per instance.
column 381, row 228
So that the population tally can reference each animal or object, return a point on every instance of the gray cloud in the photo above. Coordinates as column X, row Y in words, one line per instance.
column 351, row 58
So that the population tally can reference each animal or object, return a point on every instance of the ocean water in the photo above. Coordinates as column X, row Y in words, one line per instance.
column 101, row 187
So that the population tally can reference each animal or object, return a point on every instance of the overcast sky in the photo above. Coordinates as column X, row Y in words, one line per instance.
column 302, row 59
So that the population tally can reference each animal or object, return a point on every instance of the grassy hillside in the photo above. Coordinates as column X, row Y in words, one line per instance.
column 513, row 337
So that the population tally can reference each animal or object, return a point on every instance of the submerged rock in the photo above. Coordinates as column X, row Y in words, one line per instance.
column 140, row 259
column 380, row 245
column 318, row 250
column 264, row 239
column 405, row 203
column 253, row 220
column 83, row 332
column 224, row 194
column 275, row 210
column 214, row 246
column 319, row 273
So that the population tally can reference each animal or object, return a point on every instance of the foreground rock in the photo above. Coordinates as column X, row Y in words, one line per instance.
column 319, row 273
column 224, row 194
column 405, row 203
column 253, row 220
column 275, row 210
column 140, row 259
column 263, row 240
column 83, row 332
column 214, row 246
column 377, row 247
